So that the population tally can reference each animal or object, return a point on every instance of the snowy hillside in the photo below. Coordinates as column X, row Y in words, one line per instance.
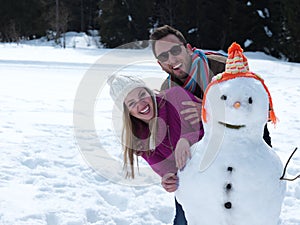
column 46, row 178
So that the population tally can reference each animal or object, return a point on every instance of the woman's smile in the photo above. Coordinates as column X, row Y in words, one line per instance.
column 145, row 110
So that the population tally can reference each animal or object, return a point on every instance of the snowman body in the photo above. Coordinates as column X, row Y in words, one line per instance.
column 233, row 175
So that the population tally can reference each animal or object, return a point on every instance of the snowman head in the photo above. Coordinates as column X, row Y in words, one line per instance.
column 237, row 99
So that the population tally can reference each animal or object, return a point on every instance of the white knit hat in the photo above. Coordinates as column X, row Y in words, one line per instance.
column 121, row 86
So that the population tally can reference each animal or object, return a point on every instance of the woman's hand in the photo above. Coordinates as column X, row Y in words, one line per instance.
column 169, row 182
column 182, row 153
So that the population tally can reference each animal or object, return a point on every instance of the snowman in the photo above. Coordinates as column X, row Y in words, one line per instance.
column 233, row 177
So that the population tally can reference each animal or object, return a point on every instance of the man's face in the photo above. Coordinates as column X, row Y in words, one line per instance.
column 173, row 57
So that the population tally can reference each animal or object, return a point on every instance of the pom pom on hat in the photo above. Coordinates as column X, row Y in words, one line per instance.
column 121, row 86
column 236, row 61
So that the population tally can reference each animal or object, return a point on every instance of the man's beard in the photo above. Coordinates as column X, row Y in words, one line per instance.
column 181, row 76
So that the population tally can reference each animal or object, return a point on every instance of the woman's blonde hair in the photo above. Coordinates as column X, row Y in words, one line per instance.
column 131, row 141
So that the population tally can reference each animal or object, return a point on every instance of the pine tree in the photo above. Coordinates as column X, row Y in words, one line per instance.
column 21, row 19
column 292, row 18
column 122, row 22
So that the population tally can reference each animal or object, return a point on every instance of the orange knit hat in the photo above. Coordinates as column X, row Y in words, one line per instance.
column 237, row 66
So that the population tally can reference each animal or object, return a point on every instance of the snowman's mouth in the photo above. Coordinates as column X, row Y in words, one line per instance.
column 231, row 126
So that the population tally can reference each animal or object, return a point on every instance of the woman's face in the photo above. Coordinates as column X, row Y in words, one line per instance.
column 140, row 104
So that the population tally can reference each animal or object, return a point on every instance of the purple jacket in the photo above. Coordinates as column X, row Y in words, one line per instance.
column 171, row 127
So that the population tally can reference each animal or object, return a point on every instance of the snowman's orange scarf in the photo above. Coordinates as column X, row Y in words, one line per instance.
column 227, row 76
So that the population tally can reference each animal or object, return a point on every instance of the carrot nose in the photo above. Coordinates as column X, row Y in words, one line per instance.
column 237, row 105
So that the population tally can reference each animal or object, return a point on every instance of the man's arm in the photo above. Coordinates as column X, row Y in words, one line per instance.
column 267, row 136
column 216, row 64
column 166, row 84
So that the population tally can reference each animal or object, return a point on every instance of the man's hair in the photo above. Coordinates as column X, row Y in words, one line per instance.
column 163, row 31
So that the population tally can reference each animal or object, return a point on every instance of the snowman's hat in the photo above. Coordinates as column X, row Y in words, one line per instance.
column 237, row 66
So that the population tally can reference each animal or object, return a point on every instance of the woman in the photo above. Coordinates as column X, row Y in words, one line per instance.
column 153, row 126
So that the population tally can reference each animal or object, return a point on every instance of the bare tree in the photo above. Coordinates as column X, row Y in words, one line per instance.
column 60, row 24
column 57, row 21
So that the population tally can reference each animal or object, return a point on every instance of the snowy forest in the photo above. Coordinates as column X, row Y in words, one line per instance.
column 60, row 130
column 259, row 25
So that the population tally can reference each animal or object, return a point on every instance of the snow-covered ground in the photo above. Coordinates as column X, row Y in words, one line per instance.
column 50, row 172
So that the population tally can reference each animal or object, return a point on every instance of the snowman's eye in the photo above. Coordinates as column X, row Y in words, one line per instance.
column 223, row 97
column 250, row 100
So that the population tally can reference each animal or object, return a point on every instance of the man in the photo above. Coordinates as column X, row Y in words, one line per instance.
column 191, row 69
column 178, row 62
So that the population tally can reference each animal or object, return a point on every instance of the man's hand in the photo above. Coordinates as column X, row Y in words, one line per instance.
column 182, row 153
column 169, row 182
column 194, row 112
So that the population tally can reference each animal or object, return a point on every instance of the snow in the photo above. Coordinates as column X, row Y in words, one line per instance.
column 268, row 31
column 247, row 43
column 260, row 13
column 46, row 176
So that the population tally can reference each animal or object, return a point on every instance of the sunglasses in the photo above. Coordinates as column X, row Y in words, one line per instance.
column 175, row 50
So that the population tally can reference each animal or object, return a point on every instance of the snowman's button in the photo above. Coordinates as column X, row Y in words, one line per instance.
column 228, row 205
column 229, row 186
column 229, row 168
